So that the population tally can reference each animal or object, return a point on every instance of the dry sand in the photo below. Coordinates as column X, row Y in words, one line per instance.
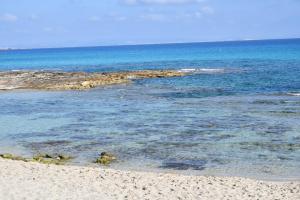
column 24, row 180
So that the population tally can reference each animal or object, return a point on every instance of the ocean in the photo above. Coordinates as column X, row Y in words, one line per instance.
column 237, row 114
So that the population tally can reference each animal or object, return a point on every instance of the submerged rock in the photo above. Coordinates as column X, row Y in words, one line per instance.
column 199, row 165
column 106, row 158
column 48, row 145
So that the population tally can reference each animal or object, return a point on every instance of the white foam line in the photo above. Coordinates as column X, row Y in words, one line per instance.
column 293, row 94
column 187, row 70
column 202, row 70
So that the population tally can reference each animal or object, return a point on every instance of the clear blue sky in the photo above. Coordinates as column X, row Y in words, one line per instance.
column 54, row 23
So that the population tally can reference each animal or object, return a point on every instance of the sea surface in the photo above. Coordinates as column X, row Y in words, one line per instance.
column 237, row 114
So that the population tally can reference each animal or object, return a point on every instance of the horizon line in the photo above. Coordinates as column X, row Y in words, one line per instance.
column 145, row 44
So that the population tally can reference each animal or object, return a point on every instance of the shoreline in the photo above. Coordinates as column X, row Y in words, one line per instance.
column 70, row 160
column 28, row 180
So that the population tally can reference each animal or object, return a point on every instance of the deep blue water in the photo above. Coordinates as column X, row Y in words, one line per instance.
column 240, row 117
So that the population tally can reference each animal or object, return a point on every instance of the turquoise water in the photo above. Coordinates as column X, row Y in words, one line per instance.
column 237, row 114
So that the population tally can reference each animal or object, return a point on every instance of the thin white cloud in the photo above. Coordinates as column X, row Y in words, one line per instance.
column 33, row 17
column 121, row 18
column 207, row 10
column 116, row 16
column 200, row 13
column 204, row 11
column 154, row 17
column 111, row 16
column 161, row 2
column 54, row 29
column 48, row 29
column 94, row 19
column 7, row 17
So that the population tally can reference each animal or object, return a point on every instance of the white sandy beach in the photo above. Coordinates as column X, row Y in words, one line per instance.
column 22, row 180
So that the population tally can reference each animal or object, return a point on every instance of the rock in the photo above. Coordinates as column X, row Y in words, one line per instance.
column 51, row 159
column 106, row 158
column 53, row 80
column 63, row 157
column 6, row 156
column 86, row 84
column 12, row 157
column 57, row 159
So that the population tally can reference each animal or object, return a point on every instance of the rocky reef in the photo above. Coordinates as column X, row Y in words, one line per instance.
column 104, row 158
column 12, row 157
column 56, row 80
column 57, row 159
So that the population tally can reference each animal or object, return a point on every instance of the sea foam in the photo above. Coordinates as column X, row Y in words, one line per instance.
column 293, row 94
column 187, row 70
column 211, row 70
column 202, row 70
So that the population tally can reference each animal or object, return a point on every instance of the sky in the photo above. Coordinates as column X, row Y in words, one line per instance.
column 68, row 23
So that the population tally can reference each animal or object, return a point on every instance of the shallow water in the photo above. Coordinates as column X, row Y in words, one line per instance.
column 240, row 117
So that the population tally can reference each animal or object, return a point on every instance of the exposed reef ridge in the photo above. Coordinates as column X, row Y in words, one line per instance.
column 56, row 80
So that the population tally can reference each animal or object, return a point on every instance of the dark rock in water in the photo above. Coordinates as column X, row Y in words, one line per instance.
column 278, row 129
column 266, row 102
column 284, row 158
column 48, row 144
column 262, row 156
column 270, row 146
column 12, row 157
column 221, row 137
column 219, row 161
column 194, row 165
column 195, row 93
column 285, row 112
column 106, row 158
column 56, row 159
column 63, row 157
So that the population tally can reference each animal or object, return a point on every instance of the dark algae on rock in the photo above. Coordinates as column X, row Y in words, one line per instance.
column 56, row 159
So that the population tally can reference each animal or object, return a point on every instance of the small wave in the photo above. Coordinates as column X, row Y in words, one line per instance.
column 211, row 70
column 202, row 70
column 187, row 70
column 293, row 94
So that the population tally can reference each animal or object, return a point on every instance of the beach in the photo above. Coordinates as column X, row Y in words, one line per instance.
column 27, row 180
column 184, row 121
column 149, row 100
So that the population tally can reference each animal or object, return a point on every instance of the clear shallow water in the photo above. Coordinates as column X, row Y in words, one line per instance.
column 244, row 121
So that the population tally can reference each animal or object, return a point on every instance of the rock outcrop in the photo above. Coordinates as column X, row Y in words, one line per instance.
column 55, row 80
column 105, row 158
